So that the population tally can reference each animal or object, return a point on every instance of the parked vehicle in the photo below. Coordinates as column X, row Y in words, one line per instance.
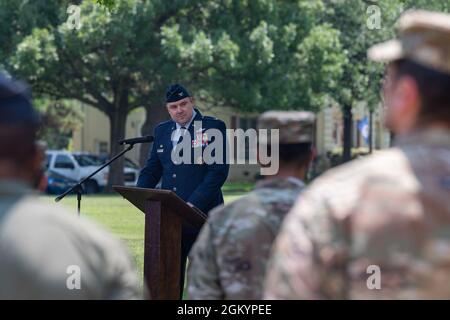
column 79, row 165
column 131, row 170
column 57, row 183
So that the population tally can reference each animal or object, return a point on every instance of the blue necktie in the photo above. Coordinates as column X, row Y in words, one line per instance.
column 182, row 133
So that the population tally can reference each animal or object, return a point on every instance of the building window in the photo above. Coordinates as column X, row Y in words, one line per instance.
column 102, row 147
column 244, row 124
column 64, row 162
column 247, row 123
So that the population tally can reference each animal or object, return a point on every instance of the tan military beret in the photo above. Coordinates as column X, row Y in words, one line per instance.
column 423, row 37
column 294, row 126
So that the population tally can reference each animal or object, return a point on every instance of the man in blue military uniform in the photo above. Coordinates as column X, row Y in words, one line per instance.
column 197, row 182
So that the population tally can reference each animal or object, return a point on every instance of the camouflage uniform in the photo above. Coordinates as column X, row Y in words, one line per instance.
column 40, row 243
column 46, row 253
column 228, row 261
column 390, row 210
column 229, row 258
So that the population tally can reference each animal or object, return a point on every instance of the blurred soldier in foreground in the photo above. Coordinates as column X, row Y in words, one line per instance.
column 46, row 253
column 379, row 228
column 228, row 261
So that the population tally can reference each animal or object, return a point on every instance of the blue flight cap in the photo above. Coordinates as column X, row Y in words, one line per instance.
column 15, row 104
column 176, row 92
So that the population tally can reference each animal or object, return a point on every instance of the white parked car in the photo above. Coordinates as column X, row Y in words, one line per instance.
column 130, row 172
column 78, row 165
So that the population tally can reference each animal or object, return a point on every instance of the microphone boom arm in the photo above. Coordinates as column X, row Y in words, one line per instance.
column 78, row 187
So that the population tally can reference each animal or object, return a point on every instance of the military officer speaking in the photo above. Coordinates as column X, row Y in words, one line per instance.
column 197, row 182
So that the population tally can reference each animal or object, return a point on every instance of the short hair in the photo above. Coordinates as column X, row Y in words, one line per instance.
column 294, row 154
column 434, row 89
column 19, row 123
column 17, row 143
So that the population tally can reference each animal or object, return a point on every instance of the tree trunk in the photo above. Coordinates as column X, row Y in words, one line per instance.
column 370, row 131
column 348, row 131
column 118, row 120
column 153, row 116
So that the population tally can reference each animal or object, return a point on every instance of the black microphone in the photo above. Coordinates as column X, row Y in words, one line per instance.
column 145, row 139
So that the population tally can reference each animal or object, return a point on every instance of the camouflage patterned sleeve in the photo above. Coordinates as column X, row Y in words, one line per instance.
column 242, row 258
column 203, row 273
column 308, row 257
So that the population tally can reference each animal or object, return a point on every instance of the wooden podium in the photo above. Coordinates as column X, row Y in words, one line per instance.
column 165, row 213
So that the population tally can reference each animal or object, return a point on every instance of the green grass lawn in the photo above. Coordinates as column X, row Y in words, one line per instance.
column 124, row 220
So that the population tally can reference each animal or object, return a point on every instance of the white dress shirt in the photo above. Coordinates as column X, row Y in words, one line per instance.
column 179, row 131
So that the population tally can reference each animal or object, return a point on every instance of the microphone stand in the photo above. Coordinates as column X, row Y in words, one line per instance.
column 78, row 189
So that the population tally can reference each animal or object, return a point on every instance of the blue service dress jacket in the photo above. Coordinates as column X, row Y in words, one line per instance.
column 196, row 182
